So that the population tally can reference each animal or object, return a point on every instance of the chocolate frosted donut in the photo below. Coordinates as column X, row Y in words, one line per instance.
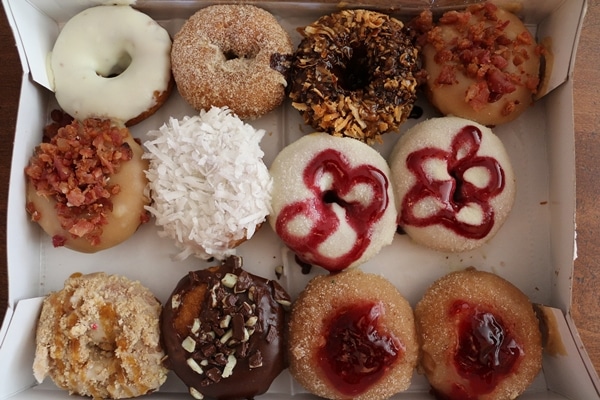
column 223, row 331
column 353, row 74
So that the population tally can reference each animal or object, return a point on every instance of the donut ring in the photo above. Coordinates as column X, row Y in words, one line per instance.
column 232, row 56
column 353, row 74
column 111, row 62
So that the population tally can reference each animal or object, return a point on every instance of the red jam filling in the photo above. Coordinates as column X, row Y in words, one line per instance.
column 319, row 209
column 357, row 352
column 455, row 192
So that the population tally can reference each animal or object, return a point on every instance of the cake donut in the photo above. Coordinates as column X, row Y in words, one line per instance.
column 111, row 62
column 332, row 202
column 482, row 64
column 453, row 183
column 234, row 56
column 479, row 337
column 352, row 335
column 210, row 188
column 224, row 331
column 86, row 185
column 99, row 336
column 353, row 74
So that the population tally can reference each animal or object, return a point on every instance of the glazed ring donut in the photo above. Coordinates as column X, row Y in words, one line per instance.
column 99, row 336
column 352, row 335
column 479, row 337
column 233, row 56
column 353, row 74
column 86, row 185
column 111, row 62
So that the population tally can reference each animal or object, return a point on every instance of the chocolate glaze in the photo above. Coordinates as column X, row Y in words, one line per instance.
column 253, row 335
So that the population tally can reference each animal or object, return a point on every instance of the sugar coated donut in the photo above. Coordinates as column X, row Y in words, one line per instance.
column 86, row 185
column 232, row 55
column 353, row 74
column 333, row 203
column 111, row 62
column 479, row 337
column 352, row 335
column 224, row 331
column 99, row 337
column 482, row 64
column 453, row 182
column 210, row 187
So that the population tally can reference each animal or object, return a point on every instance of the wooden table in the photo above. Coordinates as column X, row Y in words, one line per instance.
column 586, row 293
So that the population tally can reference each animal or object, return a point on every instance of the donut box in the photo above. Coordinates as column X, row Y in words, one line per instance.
column 534, row 249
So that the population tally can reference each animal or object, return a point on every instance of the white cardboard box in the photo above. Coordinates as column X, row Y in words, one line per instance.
column 534, row 250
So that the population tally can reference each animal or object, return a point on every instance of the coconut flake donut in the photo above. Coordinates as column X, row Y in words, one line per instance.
column 333, row 204
column 353, row 74
column 86, row 185
column 210, row 188
column 111, row 62
column 99, row 336
column 482, row 64
column 453, row 182
column 234, row 56
column 352, row 335
column 479, row 337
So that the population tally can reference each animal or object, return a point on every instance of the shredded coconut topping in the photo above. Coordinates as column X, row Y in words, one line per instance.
column 210, row 186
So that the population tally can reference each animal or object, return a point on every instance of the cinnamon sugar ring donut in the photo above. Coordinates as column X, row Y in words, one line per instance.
column 353, row 74
column 233, row 56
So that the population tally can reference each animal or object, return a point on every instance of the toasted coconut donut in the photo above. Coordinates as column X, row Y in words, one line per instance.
column 479, row 337
column 352, row 74
column 99, row 336
column 233, row 56
column 352, row 335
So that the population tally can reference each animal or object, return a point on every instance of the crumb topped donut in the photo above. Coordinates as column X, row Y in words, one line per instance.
column 352, row 335
column 332, row 202
column 234, row 56
column 479, row 337
column 99, row 336
column 453, row 182
column 482, row 63
column 111, row 62
column 353, row 74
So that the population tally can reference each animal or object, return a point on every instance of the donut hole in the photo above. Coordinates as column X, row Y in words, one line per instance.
column 235, row 54
column 356, row 74
column 122, row 62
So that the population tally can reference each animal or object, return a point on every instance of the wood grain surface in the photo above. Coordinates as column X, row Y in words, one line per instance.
column 586, row 292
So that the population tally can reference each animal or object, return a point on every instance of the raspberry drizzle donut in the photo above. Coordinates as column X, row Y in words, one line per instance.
column 111, row 62
column 353, row 74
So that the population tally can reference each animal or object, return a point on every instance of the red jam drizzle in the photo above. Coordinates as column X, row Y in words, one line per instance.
column 486, row 352
column 359, row 216
column 357, row 352
column 455, row 193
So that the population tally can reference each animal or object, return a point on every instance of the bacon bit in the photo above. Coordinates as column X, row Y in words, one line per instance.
column 58, row 241
column 35, row 214
column 498, row 82
column 447, row 76
column 94, row 326
column 477, row 95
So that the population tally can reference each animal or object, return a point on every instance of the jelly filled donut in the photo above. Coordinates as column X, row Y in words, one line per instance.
column 332, row 201
column 479, row 337
column 234, row 56
column 224, row 331
column 86, row 185
column 353, row 74
column 352, row 335
column 99, row 336
column 453, row 182
column 111, row 62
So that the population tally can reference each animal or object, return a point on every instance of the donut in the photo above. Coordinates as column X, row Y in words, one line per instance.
column 453, row 183
column 234, row 56
column 479, row 337
column 332, row 201
column 85, row 185
column 482, row 64
column 352, row 335
column 353, row 74
column 210, row 188
column 99, row 336
column 224, row 331
column 111, row 62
